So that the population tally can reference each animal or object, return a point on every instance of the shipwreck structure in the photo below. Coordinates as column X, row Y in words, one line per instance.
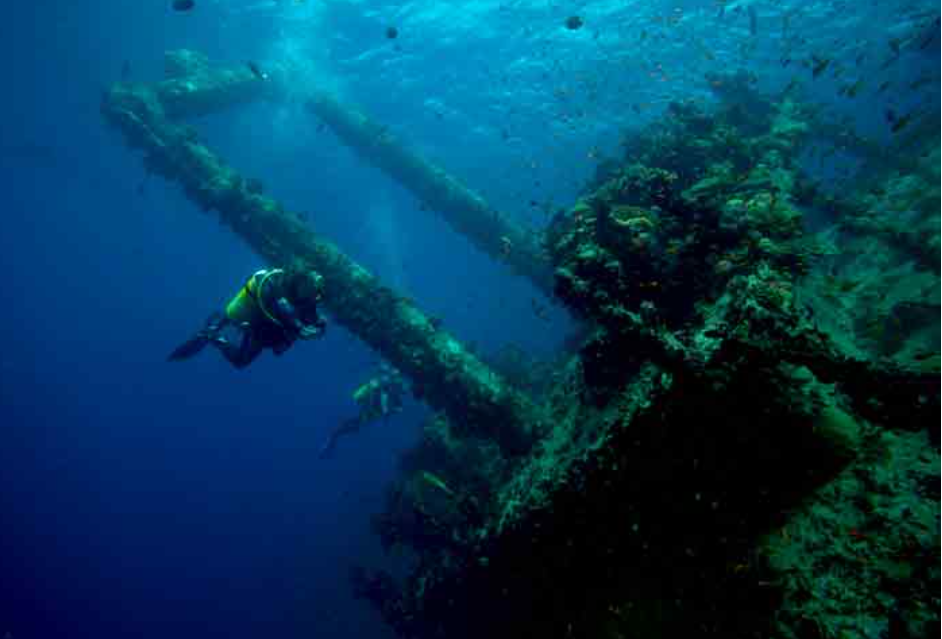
column 742, row 444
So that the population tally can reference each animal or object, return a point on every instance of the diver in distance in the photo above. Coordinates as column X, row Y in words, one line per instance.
column 273, row 309
column 377, row 399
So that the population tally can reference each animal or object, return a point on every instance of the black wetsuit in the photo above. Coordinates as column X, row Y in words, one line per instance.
column 276, row 324
column 264, row 333
column 254, row 339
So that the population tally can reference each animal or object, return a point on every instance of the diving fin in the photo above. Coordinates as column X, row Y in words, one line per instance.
column 189, row 348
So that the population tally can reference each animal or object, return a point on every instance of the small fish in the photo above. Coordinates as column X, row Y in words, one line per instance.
column 794, row 84
column 901, row 122
column 819, row 65
column 889, row 62
column 183, row 5
column 884, row 86
column 890, row 115
column 918, row 83
column 851, row 90
column 258, row 73
column 392, row 33
column 506, row 247
column 574, row 22
column 842, row 285
column 931, row 34
column 436, row 481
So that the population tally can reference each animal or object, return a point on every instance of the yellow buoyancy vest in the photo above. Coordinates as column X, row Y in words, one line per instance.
column 248, row 304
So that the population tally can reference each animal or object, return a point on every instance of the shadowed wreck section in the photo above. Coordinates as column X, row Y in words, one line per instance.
column 443, row 373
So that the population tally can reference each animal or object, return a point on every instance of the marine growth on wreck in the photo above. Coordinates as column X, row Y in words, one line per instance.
column 743, row 443
column 741, row 438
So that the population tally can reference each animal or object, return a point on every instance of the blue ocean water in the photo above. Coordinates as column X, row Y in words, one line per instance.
column 145, row 499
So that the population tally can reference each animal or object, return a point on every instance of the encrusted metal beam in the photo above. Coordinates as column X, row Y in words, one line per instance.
column 195, row 88
column 443, row 372
column 465, row 211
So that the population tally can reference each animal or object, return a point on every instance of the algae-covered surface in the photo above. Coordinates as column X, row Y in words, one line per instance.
column 744, row 442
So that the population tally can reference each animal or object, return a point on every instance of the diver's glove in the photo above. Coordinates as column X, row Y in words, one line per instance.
column 312, row 331
column 213, row 322
column 213, row 328
column 290, row 320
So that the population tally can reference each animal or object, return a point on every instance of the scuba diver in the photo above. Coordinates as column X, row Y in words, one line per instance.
column 377, row 399
column 273, row 309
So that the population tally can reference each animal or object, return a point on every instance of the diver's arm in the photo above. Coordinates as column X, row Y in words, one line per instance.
column 288, row 316
column 314, row 330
